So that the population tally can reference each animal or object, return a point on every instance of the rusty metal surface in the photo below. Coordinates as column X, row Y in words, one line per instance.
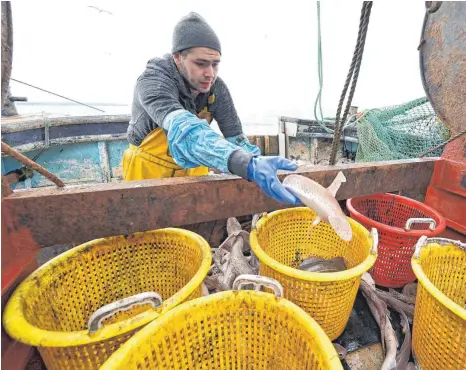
column 6, row 188
column 447, row 189
column 19, row 249
column 72, row 215
column 456, row 150
column 443, row 62
column 15, row 355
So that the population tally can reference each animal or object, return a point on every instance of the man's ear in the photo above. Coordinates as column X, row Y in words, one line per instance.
column 177, row 59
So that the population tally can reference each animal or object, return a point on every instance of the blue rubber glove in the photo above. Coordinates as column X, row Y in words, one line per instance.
column 263, row 171
column 192, row 142
column 243, row 142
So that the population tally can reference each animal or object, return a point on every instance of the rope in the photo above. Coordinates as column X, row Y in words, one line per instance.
column 320, row 72
column 352, row 74
column 442, row 144
column 31, row 164
column 61, row 96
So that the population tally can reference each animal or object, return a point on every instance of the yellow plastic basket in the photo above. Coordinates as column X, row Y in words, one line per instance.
column 230, row 330
column 51, row 308
column 280, row 241
column 439, row 327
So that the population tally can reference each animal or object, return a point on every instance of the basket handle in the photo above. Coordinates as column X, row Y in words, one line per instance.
column 375, row 240
column 104, row 312
column 424, row 240
column 258, row 281
column 416, row 220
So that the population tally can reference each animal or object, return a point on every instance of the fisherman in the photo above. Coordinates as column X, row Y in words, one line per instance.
column 175, row 100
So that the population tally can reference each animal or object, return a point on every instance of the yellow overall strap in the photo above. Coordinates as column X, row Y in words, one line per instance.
column 152, row 159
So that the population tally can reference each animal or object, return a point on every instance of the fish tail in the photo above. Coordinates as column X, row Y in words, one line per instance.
column 335, row 185
column 340, row 177
column 341, row 226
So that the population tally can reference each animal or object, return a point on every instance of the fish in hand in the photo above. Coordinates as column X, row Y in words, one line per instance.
column 322, row 201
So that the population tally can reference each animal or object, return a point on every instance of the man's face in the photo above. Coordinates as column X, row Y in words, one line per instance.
column 199, row 66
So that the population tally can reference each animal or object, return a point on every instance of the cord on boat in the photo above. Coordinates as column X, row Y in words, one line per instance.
column 442, row 144
column 352, row 74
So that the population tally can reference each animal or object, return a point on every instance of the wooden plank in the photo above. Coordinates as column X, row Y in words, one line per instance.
column 69, row 141
column 266, row 145
column 19, row 123
column 104, row 161
column 274, row 145
column 77, row 214
column 259, row 143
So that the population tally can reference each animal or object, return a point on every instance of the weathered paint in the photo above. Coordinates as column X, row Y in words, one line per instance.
column 74, row 163
column 115, row 153
column 77, row 154
column 31, row 165
column 17, row 264
column 6, row 188
column 19, row 248
column 104, row 161
column 447, row 190
column 81, row 213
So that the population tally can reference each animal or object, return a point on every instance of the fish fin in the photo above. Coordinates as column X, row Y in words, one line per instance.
column 341, row 226
column 335, row 185
column 314, row 223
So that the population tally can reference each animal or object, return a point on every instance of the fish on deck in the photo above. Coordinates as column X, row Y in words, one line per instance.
column 319, row 264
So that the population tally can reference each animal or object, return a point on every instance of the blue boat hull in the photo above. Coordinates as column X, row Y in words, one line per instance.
column 78, row 150
column 91, row 162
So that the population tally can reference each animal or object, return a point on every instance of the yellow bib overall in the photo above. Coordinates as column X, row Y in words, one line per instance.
column 152, row 159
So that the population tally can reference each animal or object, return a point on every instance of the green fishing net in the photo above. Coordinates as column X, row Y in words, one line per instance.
column 400, row 132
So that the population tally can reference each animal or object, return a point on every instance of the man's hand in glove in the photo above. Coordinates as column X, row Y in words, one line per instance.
column 263, row 171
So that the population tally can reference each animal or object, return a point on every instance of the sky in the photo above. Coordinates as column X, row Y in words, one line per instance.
column 269, row 51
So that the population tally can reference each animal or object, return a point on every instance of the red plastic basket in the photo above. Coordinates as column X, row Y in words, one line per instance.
column 390, row 213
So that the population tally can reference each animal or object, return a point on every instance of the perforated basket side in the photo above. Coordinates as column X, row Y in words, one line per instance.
column 281, row 243
column 439, row 328
column 230, row 330
column 172, row 262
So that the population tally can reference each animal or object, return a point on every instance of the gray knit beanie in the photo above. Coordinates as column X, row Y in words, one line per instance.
column 193, row 31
